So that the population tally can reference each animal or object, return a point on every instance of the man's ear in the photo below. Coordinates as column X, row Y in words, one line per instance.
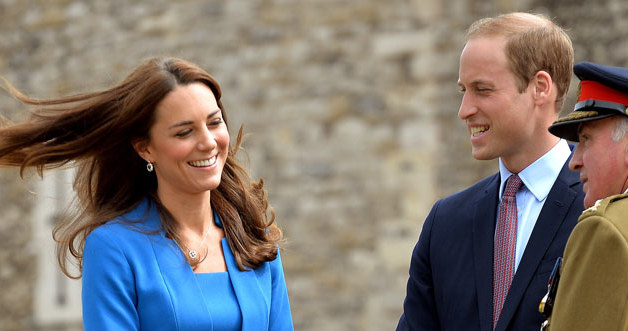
column 626, row 150
column 542, row 82
column 141, row 148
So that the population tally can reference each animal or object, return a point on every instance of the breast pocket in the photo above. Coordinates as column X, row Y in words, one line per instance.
column 546, row 266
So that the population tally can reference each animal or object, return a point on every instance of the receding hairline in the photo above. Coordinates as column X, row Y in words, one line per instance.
column 506, row 25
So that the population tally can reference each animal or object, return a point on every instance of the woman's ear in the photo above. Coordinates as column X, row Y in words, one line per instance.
column 141, row 148
column 542, row 87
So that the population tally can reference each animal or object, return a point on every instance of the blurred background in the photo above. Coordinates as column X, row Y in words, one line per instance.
column 350, row 109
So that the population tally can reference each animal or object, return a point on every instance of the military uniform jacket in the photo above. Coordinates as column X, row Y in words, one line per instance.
column 593, row 289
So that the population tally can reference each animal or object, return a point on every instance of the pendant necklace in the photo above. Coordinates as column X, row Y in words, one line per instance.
column 192, row 252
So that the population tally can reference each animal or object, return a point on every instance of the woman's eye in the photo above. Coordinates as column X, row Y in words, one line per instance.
column 183, row 133
column 215, row 122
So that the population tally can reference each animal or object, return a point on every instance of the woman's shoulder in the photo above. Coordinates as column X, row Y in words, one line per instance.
column 270, row 267
column 138, row 222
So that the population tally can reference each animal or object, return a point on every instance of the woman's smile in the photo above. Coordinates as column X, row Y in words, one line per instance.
column 204, row 163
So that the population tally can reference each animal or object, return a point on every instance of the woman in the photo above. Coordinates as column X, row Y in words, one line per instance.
column 170, row 231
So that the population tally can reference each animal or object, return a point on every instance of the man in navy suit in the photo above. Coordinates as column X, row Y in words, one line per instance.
column 514, row 73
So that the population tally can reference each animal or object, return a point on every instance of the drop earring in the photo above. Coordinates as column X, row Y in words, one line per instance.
column 150, row 167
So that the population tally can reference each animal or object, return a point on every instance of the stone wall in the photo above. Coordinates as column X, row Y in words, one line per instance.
column 350, row 109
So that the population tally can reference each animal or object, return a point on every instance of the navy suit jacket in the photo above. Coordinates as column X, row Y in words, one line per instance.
column 451, row 271
column 134, row 278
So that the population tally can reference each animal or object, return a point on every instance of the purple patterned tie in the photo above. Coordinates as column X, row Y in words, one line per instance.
column 505, row 245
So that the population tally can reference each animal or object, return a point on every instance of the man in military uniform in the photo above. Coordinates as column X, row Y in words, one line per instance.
column 593, row 289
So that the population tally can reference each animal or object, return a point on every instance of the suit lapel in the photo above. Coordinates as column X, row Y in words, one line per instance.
column 552, row 216
column 483, row 237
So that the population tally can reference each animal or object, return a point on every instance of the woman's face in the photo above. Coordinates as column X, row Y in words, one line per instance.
column 188, row 143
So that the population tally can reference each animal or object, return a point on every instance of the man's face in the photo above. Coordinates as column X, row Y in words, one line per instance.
column 602, row 162
column 500, row 119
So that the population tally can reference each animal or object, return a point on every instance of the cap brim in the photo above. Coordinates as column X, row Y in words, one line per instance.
column 567, row 127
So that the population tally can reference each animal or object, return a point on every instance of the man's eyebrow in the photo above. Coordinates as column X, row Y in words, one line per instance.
column 481, row 82
column 580, row 127
column 476, row 82
column 184, row 123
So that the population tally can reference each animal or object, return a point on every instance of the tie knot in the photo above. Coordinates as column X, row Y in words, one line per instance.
column 513, row 183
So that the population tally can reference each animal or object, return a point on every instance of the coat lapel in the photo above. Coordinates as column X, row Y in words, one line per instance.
column 179, row 279
column 552, row 216
column 253, row 304
column 182, row 285
column 483, row 237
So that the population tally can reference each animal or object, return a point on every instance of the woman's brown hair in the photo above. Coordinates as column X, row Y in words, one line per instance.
column 95, row 132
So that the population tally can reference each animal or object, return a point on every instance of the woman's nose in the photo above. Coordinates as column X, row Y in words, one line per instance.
column 207, row 140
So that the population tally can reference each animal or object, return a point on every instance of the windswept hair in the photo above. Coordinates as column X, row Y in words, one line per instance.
column 95, row 132
column 533, row 43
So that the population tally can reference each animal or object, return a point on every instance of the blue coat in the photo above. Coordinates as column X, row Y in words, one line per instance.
column 451, row 271
column 134, row 278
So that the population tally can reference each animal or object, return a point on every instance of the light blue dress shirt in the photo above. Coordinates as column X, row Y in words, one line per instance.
column 537, row 179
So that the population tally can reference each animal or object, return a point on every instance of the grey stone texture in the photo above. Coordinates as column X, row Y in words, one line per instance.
column 350, row 109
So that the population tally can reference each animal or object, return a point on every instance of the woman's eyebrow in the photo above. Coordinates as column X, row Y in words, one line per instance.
column 184, row 123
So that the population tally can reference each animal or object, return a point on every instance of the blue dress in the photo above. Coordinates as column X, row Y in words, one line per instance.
column 221, row 300
column 135, row 278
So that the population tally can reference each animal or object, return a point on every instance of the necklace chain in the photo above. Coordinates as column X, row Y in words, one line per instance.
column 192, row 252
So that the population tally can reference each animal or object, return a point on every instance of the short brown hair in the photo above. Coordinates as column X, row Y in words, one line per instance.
column 533, row 43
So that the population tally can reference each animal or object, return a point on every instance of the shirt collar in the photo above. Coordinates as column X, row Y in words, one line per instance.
column 539, row 176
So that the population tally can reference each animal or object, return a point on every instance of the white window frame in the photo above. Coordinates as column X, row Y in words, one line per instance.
column 57, row 298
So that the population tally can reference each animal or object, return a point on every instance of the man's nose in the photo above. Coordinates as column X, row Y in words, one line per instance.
column 467, row 107
column 575, row 163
